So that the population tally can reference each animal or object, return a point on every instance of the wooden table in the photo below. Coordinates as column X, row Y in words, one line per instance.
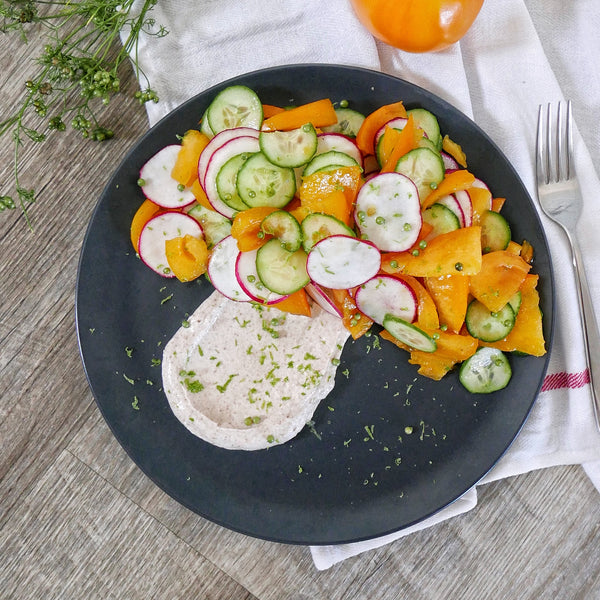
column 79, row 520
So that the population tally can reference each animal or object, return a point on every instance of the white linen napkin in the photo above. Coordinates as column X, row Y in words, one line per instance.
column 518, row 54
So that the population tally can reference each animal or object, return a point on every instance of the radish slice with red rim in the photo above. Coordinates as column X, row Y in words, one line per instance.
column 164, row 226
column 158, row 185
column 450, row 163
column 480, row 184
column 452, row 203
column 322, row 298
column 247, row 276
column 388, row 212
column 385, row 294
column 221, row 270
column 464, row 200
column 398, row 123
column 230, row 149
column 339, row 143
column 216, row 142
column 340, row 262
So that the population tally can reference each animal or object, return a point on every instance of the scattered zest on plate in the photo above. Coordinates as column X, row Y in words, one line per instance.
column 375, row 218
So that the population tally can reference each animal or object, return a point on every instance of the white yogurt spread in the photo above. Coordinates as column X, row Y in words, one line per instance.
column 248, row 377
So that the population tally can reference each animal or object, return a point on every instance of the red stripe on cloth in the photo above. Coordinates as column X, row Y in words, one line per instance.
column 565, row 380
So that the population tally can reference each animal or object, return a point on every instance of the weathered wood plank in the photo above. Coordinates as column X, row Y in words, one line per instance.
column 43, row 392
column 75, row 536
column 522, row 535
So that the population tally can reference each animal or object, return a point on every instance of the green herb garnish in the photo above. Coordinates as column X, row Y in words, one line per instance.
column 78, row 71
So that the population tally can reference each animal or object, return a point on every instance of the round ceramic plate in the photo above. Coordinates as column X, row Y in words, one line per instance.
column 357, row 473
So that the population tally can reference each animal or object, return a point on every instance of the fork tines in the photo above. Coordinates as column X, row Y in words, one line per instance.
column 556, row 163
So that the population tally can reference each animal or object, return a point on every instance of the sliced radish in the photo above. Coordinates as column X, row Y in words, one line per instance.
column 221, row 269
column 157, row 183
column 450, row 163
column 323, row 299
column 341, row 262
column 230, row 149
column 452, row 203
column 464, row 200
column 388, row 212
column 397, row 123
column 216, row 142
column 383, row 295
column 247, row 276
column 480, row 184
column 339, row 143
column 158, row 229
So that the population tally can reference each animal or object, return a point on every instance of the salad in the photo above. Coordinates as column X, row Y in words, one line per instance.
column 376, row 218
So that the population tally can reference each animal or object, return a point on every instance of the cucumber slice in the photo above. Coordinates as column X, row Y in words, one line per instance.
column 216, row 227
column 289, row 148
column 515, row 301
column 217, row 142
column 428, row 122
column 205, row 127
column 349, row 122
column 279, row 270
column 488, row 370
column 495, row 232
column 329, row 159
column 424, row 167
column 285, row 228
column 388, row 212
column 441, row 218
column 425, row 142
column 233, row 147
column 226, row 181
column 261, row 183
column 317, row 226
column 486, row 325
column 246, row 274
column 407, row 333
column 235, row 106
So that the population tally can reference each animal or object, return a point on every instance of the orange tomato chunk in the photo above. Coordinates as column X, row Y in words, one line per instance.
column 296, row 304
column 500, row 277
column 320, row 113
column 143, row 214
column 185, row 170
column 187, row 256
column 246, row 227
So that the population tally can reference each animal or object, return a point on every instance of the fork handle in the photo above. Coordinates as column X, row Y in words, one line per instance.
column 590, row 327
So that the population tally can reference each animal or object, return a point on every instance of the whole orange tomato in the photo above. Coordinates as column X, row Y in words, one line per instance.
column 417, row 25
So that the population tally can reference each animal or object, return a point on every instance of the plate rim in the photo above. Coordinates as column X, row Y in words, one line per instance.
column 550, row 284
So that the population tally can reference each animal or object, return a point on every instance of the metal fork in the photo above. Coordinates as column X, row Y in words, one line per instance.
column 560, row 198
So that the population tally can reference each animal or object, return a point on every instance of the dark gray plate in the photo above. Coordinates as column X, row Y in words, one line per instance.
column 362, row 476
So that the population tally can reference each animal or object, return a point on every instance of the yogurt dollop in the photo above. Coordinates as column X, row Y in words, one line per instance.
column 247, row 377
